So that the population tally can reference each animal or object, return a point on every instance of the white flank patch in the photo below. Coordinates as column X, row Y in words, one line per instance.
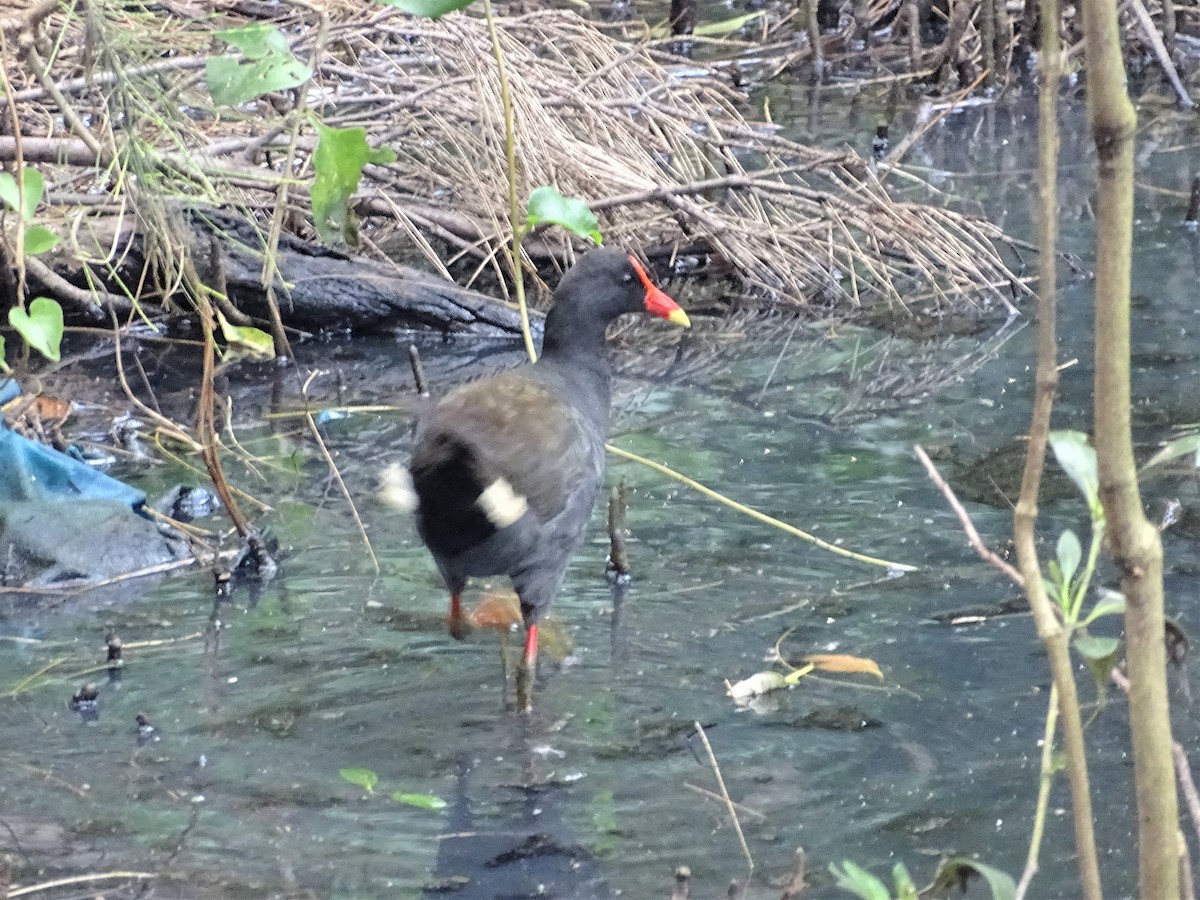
column 501, row 504
column 396, row 488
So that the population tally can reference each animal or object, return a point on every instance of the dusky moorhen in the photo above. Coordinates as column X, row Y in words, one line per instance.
column 506, row 469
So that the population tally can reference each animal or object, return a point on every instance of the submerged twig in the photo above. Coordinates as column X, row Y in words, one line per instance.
column 337, row 475
column 737, row 826
column 964, row 518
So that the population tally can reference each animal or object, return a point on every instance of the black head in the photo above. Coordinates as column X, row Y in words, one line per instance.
column 602, row 285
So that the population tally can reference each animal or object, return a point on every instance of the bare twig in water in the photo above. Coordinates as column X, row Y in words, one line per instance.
column 337, row 476
column 985, row 552
column 737, row 826
column 618, row 552
column 418, row 370
column 752, row 813
column 77, row 879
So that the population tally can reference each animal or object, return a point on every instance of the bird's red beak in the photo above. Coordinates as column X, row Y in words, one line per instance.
column 657, row 301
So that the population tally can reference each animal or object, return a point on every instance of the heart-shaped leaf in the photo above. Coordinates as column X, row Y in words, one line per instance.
column 428, row 9
column 41, row 327
column 34, row 186
column 39, row 239
column 546, row 205
column 423, row 801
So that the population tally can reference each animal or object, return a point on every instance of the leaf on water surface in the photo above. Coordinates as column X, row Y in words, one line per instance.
column 41, row 327
column 954, row 874
column 547, row 206
column 422, row 801
column 363, row 778
column 841, row 662
column 755, row 686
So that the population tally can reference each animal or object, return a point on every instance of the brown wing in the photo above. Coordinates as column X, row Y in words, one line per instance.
column 519, row 428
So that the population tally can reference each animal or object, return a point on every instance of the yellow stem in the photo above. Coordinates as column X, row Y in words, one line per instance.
column 755, row 514
column 514, row 205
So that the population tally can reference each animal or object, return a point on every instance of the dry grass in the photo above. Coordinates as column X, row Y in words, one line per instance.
column 662, row 150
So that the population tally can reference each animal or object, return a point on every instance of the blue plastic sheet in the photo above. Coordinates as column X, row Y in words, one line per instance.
column 33, row 471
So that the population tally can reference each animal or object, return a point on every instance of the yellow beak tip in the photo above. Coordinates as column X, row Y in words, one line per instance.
column 679, row 317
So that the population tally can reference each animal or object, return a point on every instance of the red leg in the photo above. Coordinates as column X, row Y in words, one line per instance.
column 529, row 658
column 459, row 626
column 526, row 670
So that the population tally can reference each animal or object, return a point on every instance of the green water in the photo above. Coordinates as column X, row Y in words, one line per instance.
column 261, row 699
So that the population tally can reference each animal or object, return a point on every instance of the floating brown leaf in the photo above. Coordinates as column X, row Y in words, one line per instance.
column 841, row 662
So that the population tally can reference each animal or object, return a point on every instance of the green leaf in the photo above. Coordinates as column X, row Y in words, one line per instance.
column 1078, row 460
column 255, row 41
column 338, row 161
column 1069, row 554
column 1099, row 653
column 1111, row 603
column 951, row 873
column 267, row 65
column 903, row 883
column 859, row 881
column 41, row 327
column 1181, row 446
column 35, row 186
column 727, row 26
column 363, row 778
column 3, row 365
column 428, row 9
column 381, row 156
column 39, row 239
column 546, row 205
column 423, row 801
column 1098, row 649
column 8, row 190
column 251, row 341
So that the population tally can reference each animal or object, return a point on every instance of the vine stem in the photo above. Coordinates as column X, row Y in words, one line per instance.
column 514, row 204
